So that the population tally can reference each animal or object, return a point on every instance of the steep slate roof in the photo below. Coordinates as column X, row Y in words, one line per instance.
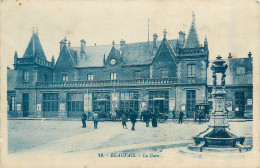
column 192, row 39
column 131, row 54
column 34, row 48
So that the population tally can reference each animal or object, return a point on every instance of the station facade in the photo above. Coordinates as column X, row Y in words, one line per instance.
column 163, row 75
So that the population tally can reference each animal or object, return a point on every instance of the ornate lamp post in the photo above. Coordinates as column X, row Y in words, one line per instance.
column 217, row 137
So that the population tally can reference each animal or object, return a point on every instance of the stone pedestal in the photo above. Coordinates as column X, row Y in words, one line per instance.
column 217, row 137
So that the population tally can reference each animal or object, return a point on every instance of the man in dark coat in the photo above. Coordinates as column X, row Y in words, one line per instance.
column 181, row 117
column 83, row 119
column 132, row 118
column 200, row 116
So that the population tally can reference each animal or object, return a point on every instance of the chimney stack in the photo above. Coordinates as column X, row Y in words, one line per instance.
column 122, row 43
column 182, row 38
column 229, row 56
column 155, row 37
column 82, row 49
column 249, row 54
column 62, row 44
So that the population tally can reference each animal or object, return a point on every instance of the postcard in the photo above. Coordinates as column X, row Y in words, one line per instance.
column 129, row 83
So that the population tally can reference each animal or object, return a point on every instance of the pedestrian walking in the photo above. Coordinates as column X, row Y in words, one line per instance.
column 95, row 119
column 200, row 116
column 154, row 119
column 124, row 119
column 181, row 117
column 173, row 114
column 132, row 118
column 147, row 118
column 83, row 119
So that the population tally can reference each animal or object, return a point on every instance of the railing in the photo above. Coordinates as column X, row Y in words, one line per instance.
column 192, row 50
column 43, row 62
column 34, row 60
column 25, row 60
column 104, row 83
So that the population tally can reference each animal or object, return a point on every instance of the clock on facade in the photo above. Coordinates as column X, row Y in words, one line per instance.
column 112, row 61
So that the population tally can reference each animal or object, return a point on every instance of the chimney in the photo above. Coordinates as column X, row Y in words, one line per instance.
column 122, row 43
column 15, row 57
column 249, row 54
column 229, row 56
column 52, row 61
column 155, row 40
column 62, row 44
column 82, row 49
column 182, row 38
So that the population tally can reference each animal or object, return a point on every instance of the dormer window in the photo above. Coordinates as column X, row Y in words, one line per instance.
column 65, row 77
column 25, row 76
column 137, row 74
column 113, row 76
column 90, row 77
column 164, row 74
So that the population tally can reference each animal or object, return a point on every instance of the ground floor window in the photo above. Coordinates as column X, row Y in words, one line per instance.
column 190, row 103
column 101, row 103
column 129, row 100
column 11, row 103
column 50, row 101
column 159, row 101
column 75, row 102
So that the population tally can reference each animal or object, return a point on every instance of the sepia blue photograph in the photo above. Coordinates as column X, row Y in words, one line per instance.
column 130, row 83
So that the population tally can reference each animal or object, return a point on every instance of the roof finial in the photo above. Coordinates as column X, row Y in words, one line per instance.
column 69, row 43
column 37, row 30
column 33, row 29
column 148, row 33
column 193, row 16
column 164, row 33
column 65, row 40
column 113, row 43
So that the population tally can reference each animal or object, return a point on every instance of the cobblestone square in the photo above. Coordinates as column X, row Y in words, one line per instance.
column 27, row 136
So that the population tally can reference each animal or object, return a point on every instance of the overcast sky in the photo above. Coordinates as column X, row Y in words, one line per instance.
column 229, row 26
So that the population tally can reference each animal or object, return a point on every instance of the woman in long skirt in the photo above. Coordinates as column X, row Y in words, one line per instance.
column 154, row 120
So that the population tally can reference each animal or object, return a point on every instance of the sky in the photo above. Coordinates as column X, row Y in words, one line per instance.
column 230, row 26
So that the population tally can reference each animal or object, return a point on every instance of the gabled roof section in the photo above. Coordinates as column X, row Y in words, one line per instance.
column 65, row 59
column 34, row 48
column 192, row 39
column 114, row 53
column 165, row 43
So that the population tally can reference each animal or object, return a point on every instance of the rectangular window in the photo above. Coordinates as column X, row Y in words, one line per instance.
column 11, row 103
column 45, row 77
column 65, row 77
column 240, row 70
column 50, row 101
column 112, row 76
column 164, row 74
column 90, row 77
column 191, row 70
column 137, row 74
column 75, row 102
column 25, row 76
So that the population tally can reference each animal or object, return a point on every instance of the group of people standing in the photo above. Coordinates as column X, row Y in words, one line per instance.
column 95, row 118
column 147, row 115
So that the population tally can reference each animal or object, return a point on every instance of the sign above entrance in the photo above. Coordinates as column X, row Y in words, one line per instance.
column 159, row 98
column 101, row 99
